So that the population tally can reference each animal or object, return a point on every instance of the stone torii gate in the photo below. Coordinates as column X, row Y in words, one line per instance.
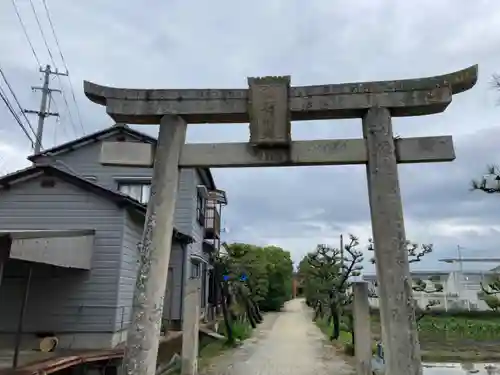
column 269, row 105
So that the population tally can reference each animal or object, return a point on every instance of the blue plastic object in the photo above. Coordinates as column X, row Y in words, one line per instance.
column 380, row 350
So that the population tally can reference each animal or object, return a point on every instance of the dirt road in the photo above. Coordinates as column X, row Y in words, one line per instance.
column 286, row 343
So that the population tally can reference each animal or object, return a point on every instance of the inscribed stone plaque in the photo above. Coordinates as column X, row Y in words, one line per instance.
column 268, row 110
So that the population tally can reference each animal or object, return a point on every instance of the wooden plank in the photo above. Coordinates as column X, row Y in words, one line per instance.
column 308, row 153
column 409, row 97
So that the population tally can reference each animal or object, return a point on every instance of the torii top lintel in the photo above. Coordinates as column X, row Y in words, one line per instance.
column 408, row 97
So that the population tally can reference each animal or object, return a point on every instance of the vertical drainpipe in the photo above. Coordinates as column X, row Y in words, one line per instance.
column 183, row 276
column 5, row 245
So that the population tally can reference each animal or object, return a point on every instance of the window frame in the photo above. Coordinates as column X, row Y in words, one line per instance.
column 195, row 269
column 201, row 206
column 144, row 199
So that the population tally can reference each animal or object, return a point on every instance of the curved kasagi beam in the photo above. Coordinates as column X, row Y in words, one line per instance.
column 459, row 81
column 408, row 97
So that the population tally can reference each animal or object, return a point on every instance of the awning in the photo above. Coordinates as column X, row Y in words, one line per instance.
column 70, row 248
column 197, row 259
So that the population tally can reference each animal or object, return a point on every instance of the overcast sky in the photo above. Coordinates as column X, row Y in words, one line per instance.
column 217, row 44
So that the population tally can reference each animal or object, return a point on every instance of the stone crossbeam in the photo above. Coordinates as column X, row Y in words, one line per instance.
column 301, row 153
column 409, row 97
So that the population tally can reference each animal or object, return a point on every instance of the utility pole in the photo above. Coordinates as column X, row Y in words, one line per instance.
column 42, row 113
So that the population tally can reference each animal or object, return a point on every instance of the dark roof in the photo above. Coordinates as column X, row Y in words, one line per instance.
column 118, row 198
column 205, row 173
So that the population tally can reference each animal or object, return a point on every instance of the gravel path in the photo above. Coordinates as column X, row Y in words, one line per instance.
column 285, row 343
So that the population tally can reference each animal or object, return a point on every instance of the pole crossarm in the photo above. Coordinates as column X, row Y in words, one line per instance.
column 408, row 97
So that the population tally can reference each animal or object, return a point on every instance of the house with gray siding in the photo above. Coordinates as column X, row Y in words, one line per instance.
column 69, row 229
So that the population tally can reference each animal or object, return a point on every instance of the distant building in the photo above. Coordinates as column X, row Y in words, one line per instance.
column 460, row 289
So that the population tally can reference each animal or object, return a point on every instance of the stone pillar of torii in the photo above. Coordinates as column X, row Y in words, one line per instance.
column 269, row 105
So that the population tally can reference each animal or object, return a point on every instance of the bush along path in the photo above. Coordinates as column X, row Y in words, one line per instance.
column 286, row 342
column 251, row 279
column 325, row 276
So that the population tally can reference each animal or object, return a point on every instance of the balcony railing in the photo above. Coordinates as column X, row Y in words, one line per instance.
column 212, row 223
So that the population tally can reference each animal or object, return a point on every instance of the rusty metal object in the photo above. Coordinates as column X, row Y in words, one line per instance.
column 55, row 364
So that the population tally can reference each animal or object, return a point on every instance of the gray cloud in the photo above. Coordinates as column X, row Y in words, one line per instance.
column 205, row 44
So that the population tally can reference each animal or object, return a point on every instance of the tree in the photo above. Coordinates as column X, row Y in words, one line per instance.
column 351, row 266
column 420, row 285
column 496, row 82
column 320, row 270
column 326, row 273
column 489, row 292
column 490, row 182
column 415, row 254
column 492, row 301
column 220, row 267
column 311, row 284
column 267, row 271
column 279, row 270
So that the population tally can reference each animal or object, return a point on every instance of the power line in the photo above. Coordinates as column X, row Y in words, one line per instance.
column 43, row 112
column 64, row 63
column 72, row 122
column 16, row 100
column 19, row 122
column 54, row 34
column 42, row 33
column 14, row 114
column 70, row 115
column 26, row 32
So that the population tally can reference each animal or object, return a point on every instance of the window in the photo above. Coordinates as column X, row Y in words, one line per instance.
column 200, row 209
column 138, row 191
column 195, row 270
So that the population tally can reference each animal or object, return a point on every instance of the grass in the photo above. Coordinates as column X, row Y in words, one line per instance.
column 442, row 338
column 241, row 330
column 210, row 349
column 326, row 328
column 455, row 338
column 345, row 340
